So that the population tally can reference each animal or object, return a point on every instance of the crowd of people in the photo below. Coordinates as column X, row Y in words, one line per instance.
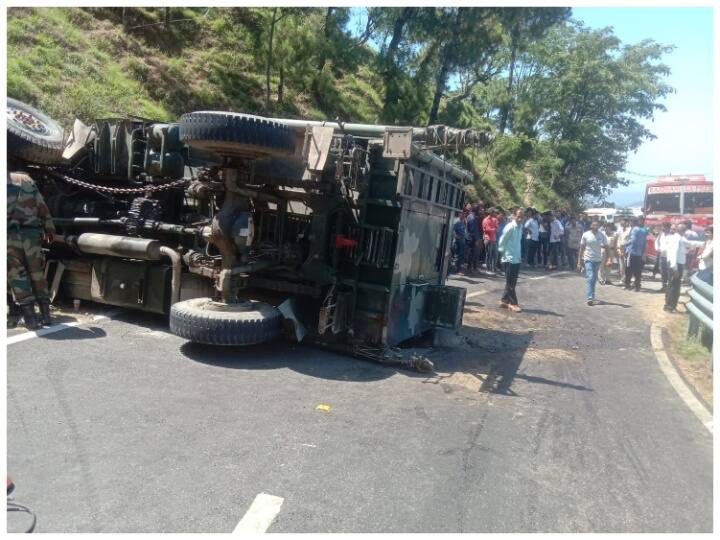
column 485, row 238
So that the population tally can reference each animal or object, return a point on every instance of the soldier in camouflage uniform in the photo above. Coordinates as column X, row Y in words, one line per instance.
column 28, row 223
column 13, row 314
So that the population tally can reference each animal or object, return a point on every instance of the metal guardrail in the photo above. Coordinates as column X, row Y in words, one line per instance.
column 700, row 310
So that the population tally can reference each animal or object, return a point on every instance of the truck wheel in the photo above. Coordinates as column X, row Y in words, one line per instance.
column 202, row 320
column 32, row 135
column 236, row 135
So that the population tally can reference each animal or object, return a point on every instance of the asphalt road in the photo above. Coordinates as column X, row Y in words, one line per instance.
column 557, row 419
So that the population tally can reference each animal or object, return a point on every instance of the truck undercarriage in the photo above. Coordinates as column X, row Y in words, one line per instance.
column 242, row 228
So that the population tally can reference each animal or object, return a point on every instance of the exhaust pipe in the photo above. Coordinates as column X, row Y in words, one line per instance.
column 116, row 246
column 176, row 272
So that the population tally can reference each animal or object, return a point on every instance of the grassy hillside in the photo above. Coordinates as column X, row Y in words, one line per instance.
column 82, row 62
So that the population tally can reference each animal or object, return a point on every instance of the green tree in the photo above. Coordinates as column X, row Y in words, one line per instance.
column 524, row 25
column 597, row 92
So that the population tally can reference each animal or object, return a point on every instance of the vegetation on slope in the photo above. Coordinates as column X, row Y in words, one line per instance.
column 566, row 102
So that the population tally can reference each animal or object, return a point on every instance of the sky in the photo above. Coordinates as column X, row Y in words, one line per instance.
column 684, row 132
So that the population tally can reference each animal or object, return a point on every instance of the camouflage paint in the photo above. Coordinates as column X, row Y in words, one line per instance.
column 27, row 218
column 25, row 266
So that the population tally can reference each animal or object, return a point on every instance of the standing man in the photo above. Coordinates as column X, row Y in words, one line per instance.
column 459, row 240
column 590, row 257
column 690, row 234
column 564, row 221
column 556, row 234
column 544, row 238
column 503, row 218
column 573, row 233
column 661, row 241
column 490, row 227
column 533, row 243
column 473, row 233
column 622, row 233
column 677, row 247
column 692, row 256
column 510, row 249
column 634, row 250
column 705, row 268
column 28, row 224
column 608, row 253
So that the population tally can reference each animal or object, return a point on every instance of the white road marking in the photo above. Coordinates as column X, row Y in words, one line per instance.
column 260, row 515
column 58, row 328
column 676, row 381
column 476, row 293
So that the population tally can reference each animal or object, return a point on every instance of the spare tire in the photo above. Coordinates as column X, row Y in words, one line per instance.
column 202, row 320
column 236, row 135
column 32, row 135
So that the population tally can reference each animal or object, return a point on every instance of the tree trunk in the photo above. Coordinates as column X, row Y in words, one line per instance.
column 167, row 18
column 506, row 108
column 268, row 65
column 322, row 57
column 448, row 50
column 281, row 84
column 440, row 83
column 398, row 29
column 125, row 19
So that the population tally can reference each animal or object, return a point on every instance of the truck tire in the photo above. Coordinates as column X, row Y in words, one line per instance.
column 32, row 135
column 202, row 320
column 236, row 135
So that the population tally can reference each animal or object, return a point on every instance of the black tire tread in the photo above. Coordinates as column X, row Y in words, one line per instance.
column 27, row 147
column 199, row 328
column 252, row 131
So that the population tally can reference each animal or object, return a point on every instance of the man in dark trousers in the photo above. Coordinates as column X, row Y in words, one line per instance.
column 533, row 236
column 509, row 247
column 473, row 234
column 634, row 251
column 677, row 247
column 28, row 224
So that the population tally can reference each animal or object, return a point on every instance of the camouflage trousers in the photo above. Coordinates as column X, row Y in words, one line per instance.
column 25, row 266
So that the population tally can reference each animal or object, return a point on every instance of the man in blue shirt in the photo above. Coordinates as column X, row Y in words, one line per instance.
column 509, row 246
column 634, row 250
column 459, row 239
column 473, row 233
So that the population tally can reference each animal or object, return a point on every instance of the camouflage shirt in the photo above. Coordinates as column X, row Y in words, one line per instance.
column 26, row 207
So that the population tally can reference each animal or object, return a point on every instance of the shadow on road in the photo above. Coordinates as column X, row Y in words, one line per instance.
column 606, row 303
column 300, row 358
column 455, row 277
column 543, row 380
column 76, row 333
column 489, row 355
column 542, row 312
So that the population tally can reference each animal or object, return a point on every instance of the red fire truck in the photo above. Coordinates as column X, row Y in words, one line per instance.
column 677, row 199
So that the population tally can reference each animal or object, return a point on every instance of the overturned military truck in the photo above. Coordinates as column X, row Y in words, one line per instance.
column 243, row 228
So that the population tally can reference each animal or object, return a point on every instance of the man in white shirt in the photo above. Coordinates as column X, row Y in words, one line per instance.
column 556, row 233
column 705, row 268
column 661, row 241
column 533, row 229
column 677, row 247
column 590, row 256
